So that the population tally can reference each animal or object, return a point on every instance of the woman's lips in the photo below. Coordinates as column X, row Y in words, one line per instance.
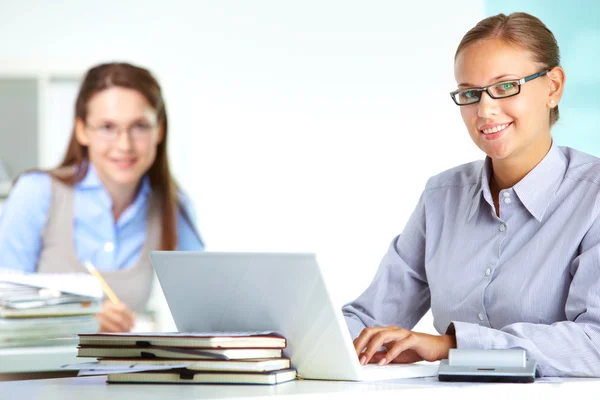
column 495, row 131
column 124, row 164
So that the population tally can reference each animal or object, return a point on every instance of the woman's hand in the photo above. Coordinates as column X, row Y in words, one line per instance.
column 115, row 317
column 400, row 346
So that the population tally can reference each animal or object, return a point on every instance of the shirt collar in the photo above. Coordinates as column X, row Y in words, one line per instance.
column 92, row 181
column 535, row 190
column 484, row 182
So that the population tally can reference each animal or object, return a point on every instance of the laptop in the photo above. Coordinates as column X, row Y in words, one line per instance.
column 280, row 292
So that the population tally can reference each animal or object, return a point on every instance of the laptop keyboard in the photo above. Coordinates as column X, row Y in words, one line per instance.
column 377, row 366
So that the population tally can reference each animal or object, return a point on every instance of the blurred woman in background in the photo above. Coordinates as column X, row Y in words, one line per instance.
column 110, row 201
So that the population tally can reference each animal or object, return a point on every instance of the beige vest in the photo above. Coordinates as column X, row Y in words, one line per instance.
column 58, row 255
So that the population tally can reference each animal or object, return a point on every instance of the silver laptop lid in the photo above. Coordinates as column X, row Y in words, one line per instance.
column 259, row 292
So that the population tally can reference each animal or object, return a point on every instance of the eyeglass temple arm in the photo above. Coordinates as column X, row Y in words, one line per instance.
column 530, row 77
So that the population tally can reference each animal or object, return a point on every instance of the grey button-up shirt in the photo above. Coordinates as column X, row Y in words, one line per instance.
column 528, row 279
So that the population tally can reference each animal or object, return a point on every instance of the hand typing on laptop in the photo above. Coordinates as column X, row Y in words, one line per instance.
column 401, row 346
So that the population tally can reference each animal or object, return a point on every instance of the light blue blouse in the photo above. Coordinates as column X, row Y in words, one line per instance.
column 109, row 245
column 528, row 279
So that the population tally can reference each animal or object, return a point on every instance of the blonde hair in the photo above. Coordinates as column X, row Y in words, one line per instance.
column 519, row 29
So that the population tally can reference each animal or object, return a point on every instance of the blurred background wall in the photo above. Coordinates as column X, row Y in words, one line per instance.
column 294, row 126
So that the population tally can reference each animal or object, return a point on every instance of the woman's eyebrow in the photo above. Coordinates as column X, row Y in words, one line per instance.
column 468, row 85
column 141, row 118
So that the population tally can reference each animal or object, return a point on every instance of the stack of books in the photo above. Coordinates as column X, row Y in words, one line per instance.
column 224, row 357
column 34, row 316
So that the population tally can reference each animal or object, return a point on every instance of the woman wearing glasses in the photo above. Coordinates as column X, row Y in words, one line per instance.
column 505, row 251
column 110, row 201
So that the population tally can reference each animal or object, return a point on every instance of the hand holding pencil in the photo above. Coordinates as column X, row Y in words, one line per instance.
column 115, row 315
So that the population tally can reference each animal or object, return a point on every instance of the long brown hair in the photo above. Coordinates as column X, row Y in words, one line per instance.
column 125, row 75
column 523, row 30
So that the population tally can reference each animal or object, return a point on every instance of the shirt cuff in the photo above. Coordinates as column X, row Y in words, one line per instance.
column 471, row 336
column 354, row 326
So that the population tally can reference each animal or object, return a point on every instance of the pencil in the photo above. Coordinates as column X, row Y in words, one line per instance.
column 107, row 290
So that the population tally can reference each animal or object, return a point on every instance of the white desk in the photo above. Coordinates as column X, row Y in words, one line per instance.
column 37, row 359
column 92, row 388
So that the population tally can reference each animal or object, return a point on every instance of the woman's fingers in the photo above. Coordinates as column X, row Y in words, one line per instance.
column 106, row 325
column 407, row 343
column 364, row 338
column 377, row 339
column 378, row 356
column 384, row 345
column 406, row 357
column 420, row 346
column 381, row 338
column 116, row 318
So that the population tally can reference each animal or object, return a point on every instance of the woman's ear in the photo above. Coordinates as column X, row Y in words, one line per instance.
column 557, row 85
column 80, row 133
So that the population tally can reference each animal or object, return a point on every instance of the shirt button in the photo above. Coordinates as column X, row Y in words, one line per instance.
column 488, row 272
column 502, row 227
column 506, row 194
column 507, row 200
column 109, row 247
column 480, row 315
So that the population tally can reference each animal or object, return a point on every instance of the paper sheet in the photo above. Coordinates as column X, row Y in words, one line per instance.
column 192, row 334
column 94, row 368
column 81, row 284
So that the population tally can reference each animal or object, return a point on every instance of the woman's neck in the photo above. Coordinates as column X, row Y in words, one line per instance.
column 121, row 195
column 508, row 172
column 122, row 198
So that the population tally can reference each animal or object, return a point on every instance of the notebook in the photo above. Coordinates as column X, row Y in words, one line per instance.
column 284, row 293
column 174, row 352
column 259, row 365
column 225, row 340
column 188, row 376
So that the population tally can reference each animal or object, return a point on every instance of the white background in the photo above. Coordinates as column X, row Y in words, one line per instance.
column 294, row 126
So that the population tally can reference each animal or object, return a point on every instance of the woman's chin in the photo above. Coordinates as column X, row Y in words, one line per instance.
column 496, row 150
column 126, row 178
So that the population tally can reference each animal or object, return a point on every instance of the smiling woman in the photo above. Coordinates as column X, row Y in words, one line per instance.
column 121, row 155
column 110, row 201
column 504, row 251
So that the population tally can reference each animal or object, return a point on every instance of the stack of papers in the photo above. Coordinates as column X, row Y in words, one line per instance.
column 45, row 309
column 79, row 284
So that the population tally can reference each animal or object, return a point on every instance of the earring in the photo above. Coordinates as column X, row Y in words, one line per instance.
column 552, row 103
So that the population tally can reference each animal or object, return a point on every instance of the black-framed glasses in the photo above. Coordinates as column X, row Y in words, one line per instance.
column 500, row 90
